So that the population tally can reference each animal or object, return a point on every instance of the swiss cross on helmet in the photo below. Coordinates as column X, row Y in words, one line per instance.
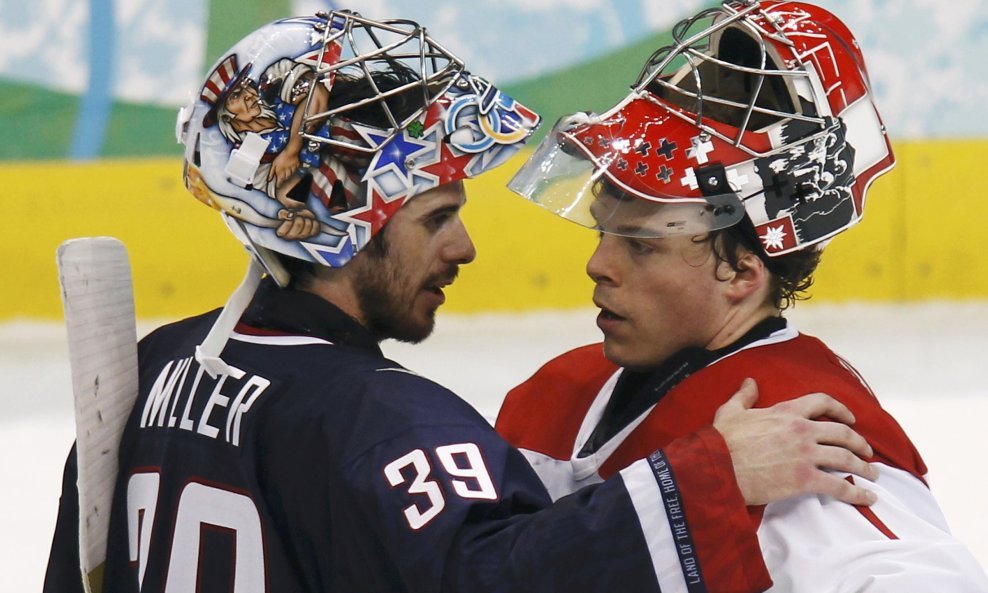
column 311, row 132
column 761, row 109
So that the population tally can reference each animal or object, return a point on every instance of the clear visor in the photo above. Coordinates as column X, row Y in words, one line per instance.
column 562, row 177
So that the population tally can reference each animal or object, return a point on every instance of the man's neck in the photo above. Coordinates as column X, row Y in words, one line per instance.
column 739, row 323
column 638, row 389
column 334, row 285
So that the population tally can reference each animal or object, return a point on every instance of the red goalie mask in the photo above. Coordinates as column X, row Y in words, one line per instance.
column 761, row 109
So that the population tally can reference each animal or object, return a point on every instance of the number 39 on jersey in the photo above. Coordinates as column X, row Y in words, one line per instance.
column 462, row 468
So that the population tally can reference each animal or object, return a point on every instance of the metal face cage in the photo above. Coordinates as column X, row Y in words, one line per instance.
column 357, row 48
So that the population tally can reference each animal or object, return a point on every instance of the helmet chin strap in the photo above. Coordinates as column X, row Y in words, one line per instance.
column 208, row 353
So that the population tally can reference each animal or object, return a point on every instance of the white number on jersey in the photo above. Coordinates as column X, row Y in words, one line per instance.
column 462, row 460
column 199, row 506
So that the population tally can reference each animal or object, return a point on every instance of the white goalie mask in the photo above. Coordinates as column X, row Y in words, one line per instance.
column 311, row 132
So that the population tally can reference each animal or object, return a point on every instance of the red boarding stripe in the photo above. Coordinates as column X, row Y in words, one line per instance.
column 247, row 330
column 870, row 515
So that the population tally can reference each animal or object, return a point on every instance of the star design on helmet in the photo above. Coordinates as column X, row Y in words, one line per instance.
column 396, row 169
column 374, row 214
column 774, row 238
column 424, row 168
column 394, row 154
column 451, row 164
column 332, row 255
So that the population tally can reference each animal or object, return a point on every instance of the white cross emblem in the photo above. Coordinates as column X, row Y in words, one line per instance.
column 699, row 149
column 690, row 179
column 736, row 180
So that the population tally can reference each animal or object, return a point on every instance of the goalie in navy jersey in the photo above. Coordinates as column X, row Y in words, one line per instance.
column 745, row 146
column 274, row 448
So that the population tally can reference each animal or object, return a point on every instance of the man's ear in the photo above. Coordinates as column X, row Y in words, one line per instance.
column 750, row 278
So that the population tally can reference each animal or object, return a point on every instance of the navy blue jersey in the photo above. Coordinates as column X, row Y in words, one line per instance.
column 319, row 465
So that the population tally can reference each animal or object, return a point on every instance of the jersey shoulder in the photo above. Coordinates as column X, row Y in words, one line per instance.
column 356, row 397
column 788, row 369
column 560, row 392
column 327, row 395
column 788, row 366
column 177, row 336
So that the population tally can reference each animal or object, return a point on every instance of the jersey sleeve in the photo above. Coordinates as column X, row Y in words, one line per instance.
column 460, row 510
column 63, row 574
column 714, row 536
column 901, row 543
column 456, row 508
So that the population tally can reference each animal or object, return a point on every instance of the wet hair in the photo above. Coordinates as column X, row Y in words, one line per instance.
column 791, row 275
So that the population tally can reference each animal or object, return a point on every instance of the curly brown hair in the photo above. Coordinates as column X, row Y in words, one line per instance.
column 791, row 274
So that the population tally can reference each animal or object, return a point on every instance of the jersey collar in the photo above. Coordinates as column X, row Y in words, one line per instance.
column 290, row 312
column 637, row 391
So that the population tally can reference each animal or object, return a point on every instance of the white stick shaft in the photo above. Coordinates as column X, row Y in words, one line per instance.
column 97, row 298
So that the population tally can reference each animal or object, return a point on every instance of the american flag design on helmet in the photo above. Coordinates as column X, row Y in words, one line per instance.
column 272, row 139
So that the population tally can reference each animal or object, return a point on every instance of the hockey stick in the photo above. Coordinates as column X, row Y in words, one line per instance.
column 97, row 297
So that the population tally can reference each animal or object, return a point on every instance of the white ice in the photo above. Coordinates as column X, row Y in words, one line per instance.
column 927, row 363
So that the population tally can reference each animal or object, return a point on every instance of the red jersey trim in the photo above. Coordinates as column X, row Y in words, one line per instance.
column 872, row 518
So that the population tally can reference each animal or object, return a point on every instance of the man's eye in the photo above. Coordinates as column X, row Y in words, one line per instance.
column 436, row 221
column 639, row 247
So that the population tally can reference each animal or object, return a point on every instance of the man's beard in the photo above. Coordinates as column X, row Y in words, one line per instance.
column 389, row 316
column 387, row 301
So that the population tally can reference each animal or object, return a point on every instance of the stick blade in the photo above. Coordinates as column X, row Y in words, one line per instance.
column 97, row 298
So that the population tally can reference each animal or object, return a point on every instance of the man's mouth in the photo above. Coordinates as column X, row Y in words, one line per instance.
column 606, row 313
column 437, row 284
column 608, row 321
